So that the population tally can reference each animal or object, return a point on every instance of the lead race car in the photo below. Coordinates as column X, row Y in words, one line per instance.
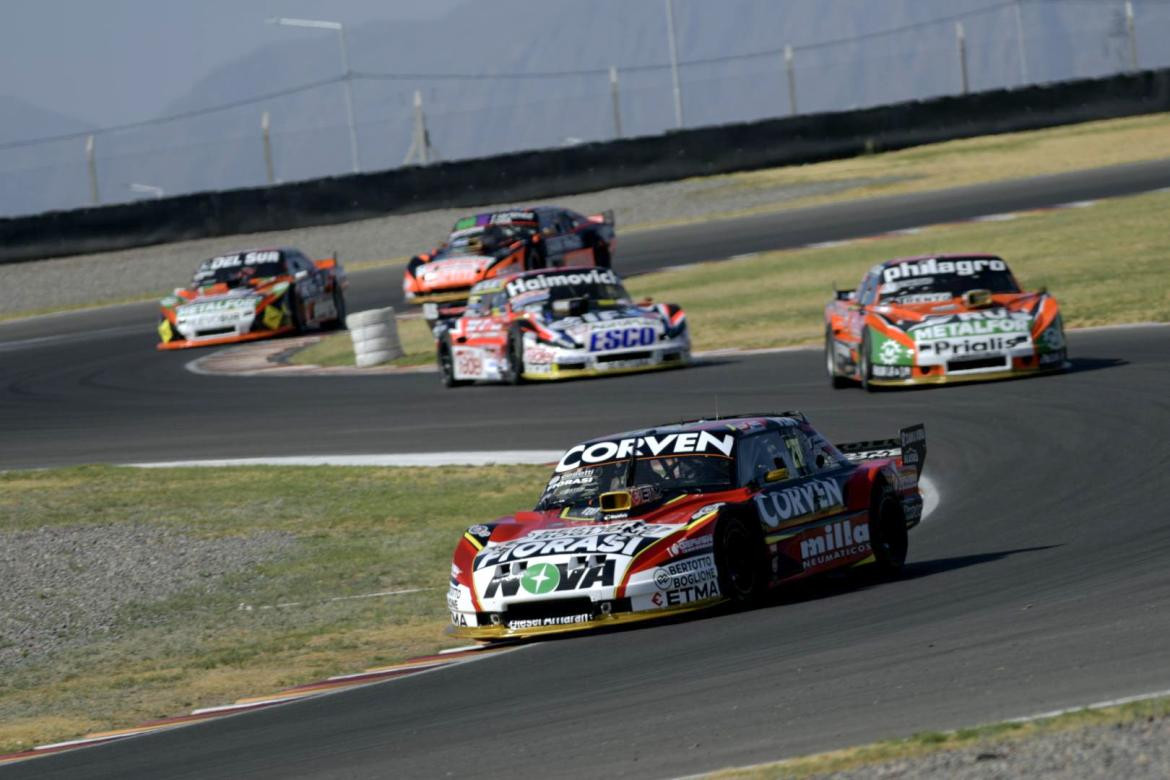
column 253, row 295
column 494, row 244
column 649, row 523
column 939, row 319
column 558, row 324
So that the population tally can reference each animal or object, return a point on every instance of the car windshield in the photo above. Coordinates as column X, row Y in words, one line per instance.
column 237, row 269
column 938, row 280
column 662, row 476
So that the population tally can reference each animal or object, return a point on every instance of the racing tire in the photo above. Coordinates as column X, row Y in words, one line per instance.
column 740, row 561
column 447, row 364
column 836, row 381
column 295, row 314
column 338, row 322
column 864, row 369
column 888, row 535
column 601, row 256
column 513, row 374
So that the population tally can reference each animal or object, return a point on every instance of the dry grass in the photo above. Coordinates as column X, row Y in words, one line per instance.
column 358, row 530
column 336, row 349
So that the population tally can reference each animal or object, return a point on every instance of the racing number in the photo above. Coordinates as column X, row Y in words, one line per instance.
column 468, row 363
column 796, row 451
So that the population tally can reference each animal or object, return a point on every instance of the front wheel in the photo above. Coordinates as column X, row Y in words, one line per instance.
column 835, row 380
column 513, row 370
column 888, row 535
column 864, row 369
column 447, row 364
column 740, row 561
column 295, row 315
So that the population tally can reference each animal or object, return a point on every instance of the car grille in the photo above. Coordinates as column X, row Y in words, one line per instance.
column 642, row 355
column 215, row 332
column 971, row 364
column 547, row 609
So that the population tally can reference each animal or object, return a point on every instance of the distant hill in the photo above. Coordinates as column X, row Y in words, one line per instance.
column 482, row 116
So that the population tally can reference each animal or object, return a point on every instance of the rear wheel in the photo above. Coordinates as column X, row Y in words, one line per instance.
column 513, row 371
column 836, row 380
column 887, row 532
column 447, row 364
column 338, row 322
column 295, row 315
column 740, row 561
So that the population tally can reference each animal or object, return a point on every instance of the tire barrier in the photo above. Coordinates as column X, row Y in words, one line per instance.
column 548, row 173
column 375, row 337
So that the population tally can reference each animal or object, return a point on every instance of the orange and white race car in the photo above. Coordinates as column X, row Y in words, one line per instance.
column 253, row 295
column 937, row 319
column 494, row 244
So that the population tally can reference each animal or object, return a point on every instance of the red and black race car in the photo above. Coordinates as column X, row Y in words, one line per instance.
column 493, row 244
column 683, row 516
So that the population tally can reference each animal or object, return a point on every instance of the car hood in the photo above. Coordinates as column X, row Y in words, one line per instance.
column 453, row 271
column 221, row 298
column 580, row 328
column 1009, row 305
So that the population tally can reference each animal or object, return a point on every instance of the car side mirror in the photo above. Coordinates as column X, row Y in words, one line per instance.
column 776, row 475
column 845, row 295
column 299, row 275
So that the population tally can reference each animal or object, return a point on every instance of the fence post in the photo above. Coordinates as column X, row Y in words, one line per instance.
column 91, row 164
column 1020, row 43
column 1131, row 34
column 420, row 144
column 790, row 68
column 267, row 149
column 617, row 103
column 678, row 107
column 961, row 40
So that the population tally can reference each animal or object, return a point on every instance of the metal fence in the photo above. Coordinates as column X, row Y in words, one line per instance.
column 401, row 118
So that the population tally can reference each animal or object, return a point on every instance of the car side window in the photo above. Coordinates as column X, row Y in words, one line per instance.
column 760, row 454
column 299, row 262
column 796, row 443
column 868, row 290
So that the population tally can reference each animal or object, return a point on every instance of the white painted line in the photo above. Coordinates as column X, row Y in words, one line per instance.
column 463, row 649
column 390, row 670
column 1007, row 217
column 1100, row 705
column 1120, row 326
column 84, row 741
column 403, row 460
column 257, row 703
column 744, row 256
column 828, row 244
column 905, row 232
column 1078, row 204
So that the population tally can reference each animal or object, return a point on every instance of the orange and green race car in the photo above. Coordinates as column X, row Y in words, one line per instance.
column 939, row 319
column 253, row 295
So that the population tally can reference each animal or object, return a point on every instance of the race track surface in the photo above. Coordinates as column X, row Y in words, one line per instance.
column 1039, row 583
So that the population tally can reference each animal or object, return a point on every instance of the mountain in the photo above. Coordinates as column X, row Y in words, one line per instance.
column 843, row 59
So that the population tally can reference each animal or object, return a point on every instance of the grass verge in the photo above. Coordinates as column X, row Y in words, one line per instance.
column 928, row 743
column 358, row 531
column 336, row 349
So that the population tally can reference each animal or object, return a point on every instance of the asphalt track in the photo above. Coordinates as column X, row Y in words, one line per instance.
column 1038, row 584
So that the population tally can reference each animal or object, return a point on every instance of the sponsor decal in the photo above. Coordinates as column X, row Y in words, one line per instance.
column 468, row 362
column 934, row 267
column 692, row 593
column 684, row 546
column 1052, row 358
column 990, row 323
column 892, row 352
column 642, row 446
column 550, row 280
column 626, row 539
column 540, row 579
column 963, row 347
column 458, row 619
column 890, row 372
column 812, row 497
column 235, row 306
column 834, row 541
column 478, row 530
column 601, row 341
column 684, row 573
column 564, row 620
column 508, row 217
column 538, row 355
column 939, row 297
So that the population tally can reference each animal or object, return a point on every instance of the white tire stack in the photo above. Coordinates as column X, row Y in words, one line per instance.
column 375, row 337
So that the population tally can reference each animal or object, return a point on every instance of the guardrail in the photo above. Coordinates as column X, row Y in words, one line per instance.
column 548, row 173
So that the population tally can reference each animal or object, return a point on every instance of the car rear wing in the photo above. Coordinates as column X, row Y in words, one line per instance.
column 910, row 446
column 325, row 263
column 604, row 218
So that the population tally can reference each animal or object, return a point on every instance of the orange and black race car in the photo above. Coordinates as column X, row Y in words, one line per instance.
column 486, row 246
column 938, row 319
column 678, row 517
column 253, row 295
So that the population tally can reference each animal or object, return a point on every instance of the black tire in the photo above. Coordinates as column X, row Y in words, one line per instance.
column 295, row 315
column 338, row 322
column 447, row 364
column 864, row 369
column 513, row 374
column 835, row 380
column 888, row 535
column 740, row 561
column 601, row 257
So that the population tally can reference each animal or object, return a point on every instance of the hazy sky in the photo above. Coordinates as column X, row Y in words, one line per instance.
column 112, row 61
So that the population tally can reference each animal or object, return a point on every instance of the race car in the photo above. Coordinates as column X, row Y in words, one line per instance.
column 558, row 324
column 683, row 516
column 941, row 318
column 253, row 295
column 486, row 246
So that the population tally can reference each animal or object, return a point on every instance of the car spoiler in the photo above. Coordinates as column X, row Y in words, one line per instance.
column 604, row 218
column 910, row 446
